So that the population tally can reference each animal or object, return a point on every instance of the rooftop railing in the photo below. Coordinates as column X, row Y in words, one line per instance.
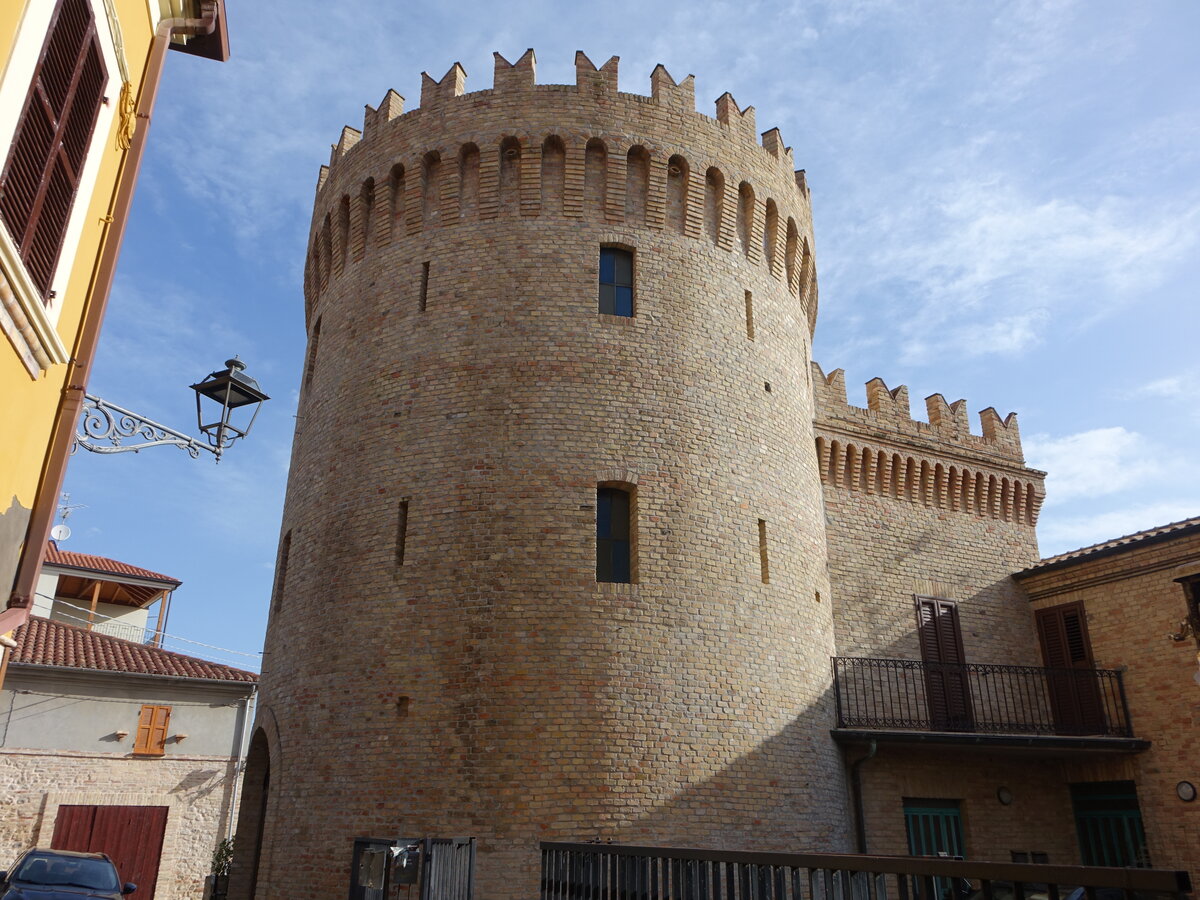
column 913, row 695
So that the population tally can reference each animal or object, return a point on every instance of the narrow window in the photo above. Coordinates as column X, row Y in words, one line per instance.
column 423, row 300
column 53, row 135
column 152, row 727
column 510, row 175
column 749, row 315
column 401, row 531
column 677, row 190
column 285, row 550
column 468, row 181
column 637, row 183
column 313, row 342
column 613, row 533
column 714, row 203
column 554, row 166
column 762, row 551
column 616, row 282
column 431, row 197
column 934, row 828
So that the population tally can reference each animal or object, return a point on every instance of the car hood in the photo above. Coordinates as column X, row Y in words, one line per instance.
column 59, row 892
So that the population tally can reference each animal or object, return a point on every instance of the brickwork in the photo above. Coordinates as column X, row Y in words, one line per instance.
column 924, row 508
column 1133, row 603
column 488, row 685
column 197, row 790
column 1038, row 818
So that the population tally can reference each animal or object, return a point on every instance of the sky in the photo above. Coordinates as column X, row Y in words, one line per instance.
column 1006, row 198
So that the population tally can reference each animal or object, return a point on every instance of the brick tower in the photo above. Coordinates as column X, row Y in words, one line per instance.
column 553, row 562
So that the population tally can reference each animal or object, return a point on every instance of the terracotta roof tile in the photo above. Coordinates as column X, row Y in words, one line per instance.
column 57, row 557
column 42, row 642
column 1117, row 544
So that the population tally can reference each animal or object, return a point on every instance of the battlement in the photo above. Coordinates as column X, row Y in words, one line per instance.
column 595, row 82
column 888, row 411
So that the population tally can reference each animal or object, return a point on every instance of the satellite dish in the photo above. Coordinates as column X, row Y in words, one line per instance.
column 60, row 532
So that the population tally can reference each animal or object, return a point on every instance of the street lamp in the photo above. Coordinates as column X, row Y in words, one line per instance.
column 228, row 390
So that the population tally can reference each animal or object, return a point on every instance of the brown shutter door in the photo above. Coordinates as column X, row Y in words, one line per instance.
column 41, row 177
column 158, row 732
column 947, row 690
column 1074, row 695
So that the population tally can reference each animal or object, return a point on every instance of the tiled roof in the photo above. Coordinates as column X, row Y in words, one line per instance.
column 42, row 642
column 1150, row 535
column 57, row 557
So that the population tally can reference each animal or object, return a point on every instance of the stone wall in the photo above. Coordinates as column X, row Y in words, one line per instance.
column 198, row 790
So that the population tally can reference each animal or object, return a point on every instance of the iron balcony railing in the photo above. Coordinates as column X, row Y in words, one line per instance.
column 613, row 872
column 913, row 695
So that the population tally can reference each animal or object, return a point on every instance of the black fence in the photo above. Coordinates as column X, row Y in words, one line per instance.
column 913, row 695
column 616, row 872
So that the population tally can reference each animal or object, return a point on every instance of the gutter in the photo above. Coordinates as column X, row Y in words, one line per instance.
column 84, row 351
column 860, row 822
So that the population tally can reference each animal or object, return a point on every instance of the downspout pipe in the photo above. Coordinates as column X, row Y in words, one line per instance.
column 245, row 719
column 84, row 351
column 860, row 820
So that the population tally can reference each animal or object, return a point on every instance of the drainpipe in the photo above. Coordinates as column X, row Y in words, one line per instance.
column 860, row 822
column 84, row 351
column 244, row 719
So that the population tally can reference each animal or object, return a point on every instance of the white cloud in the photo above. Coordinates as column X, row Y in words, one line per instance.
column 1185, row 385
column 1091, row 463
column 1061, row 534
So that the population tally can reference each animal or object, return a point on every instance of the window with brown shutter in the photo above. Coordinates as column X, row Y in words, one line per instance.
column 152, row 727
column 947, row 689
column 1074, row 695
column 41, row 175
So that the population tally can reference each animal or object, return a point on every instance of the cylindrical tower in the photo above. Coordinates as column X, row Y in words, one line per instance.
column 553, row 555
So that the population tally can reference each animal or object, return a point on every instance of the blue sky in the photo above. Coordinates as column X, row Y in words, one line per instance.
column 1006, row 201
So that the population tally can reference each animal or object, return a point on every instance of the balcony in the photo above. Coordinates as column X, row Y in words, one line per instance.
column 905, row 700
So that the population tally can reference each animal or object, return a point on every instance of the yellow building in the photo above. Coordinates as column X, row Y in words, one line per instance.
column 78, row 80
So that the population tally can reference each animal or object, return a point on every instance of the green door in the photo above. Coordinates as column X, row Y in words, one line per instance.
column 1109, row 824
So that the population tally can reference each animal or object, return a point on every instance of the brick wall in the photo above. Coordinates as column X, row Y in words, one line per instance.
column 1132, row 602
column 489, row 686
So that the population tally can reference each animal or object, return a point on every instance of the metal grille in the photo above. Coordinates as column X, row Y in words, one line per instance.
column 608, row 872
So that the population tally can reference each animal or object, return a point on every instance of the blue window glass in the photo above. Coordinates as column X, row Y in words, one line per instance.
column 612, row 535
column 616, row 282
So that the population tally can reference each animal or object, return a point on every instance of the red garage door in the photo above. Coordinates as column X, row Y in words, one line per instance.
column 131, row 835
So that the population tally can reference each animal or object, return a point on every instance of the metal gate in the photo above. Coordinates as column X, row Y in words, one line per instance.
column 131, row 835
column 385, row 868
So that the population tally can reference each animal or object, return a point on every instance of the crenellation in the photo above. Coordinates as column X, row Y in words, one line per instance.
column 322, row 177
column 518, row 76
column 1002, row 432
column 437, row 93
column 740, row 121
column 772, row 142
column 347, row 141
column 665, row 91
column 598, row 81
column 888, row 411
column 948, row 418
column 390, row 107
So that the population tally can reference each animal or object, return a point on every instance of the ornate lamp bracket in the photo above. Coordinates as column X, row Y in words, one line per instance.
column 107, row 428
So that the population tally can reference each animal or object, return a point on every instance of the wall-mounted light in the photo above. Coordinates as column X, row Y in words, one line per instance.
column 1185, row 791
column 179, row 738
column 1004, row 795
column 120, row 735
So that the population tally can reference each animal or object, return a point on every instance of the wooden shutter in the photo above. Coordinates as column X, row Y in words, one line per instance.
column 41, row 176
column 1075, row 697
column 151, row 737
column 1063, row 633
column 947, row 688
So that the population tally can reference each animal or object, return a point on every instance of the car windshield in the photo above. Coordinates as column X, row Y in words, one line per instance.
column 80, row 871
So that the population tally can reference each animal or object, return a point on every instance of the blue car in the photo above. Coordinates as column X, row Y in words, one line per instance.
column 62, row 875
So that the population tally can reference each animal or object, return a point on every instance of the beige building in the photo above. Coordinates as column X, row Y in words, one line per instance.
column 118, row 745
column 606, row 556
